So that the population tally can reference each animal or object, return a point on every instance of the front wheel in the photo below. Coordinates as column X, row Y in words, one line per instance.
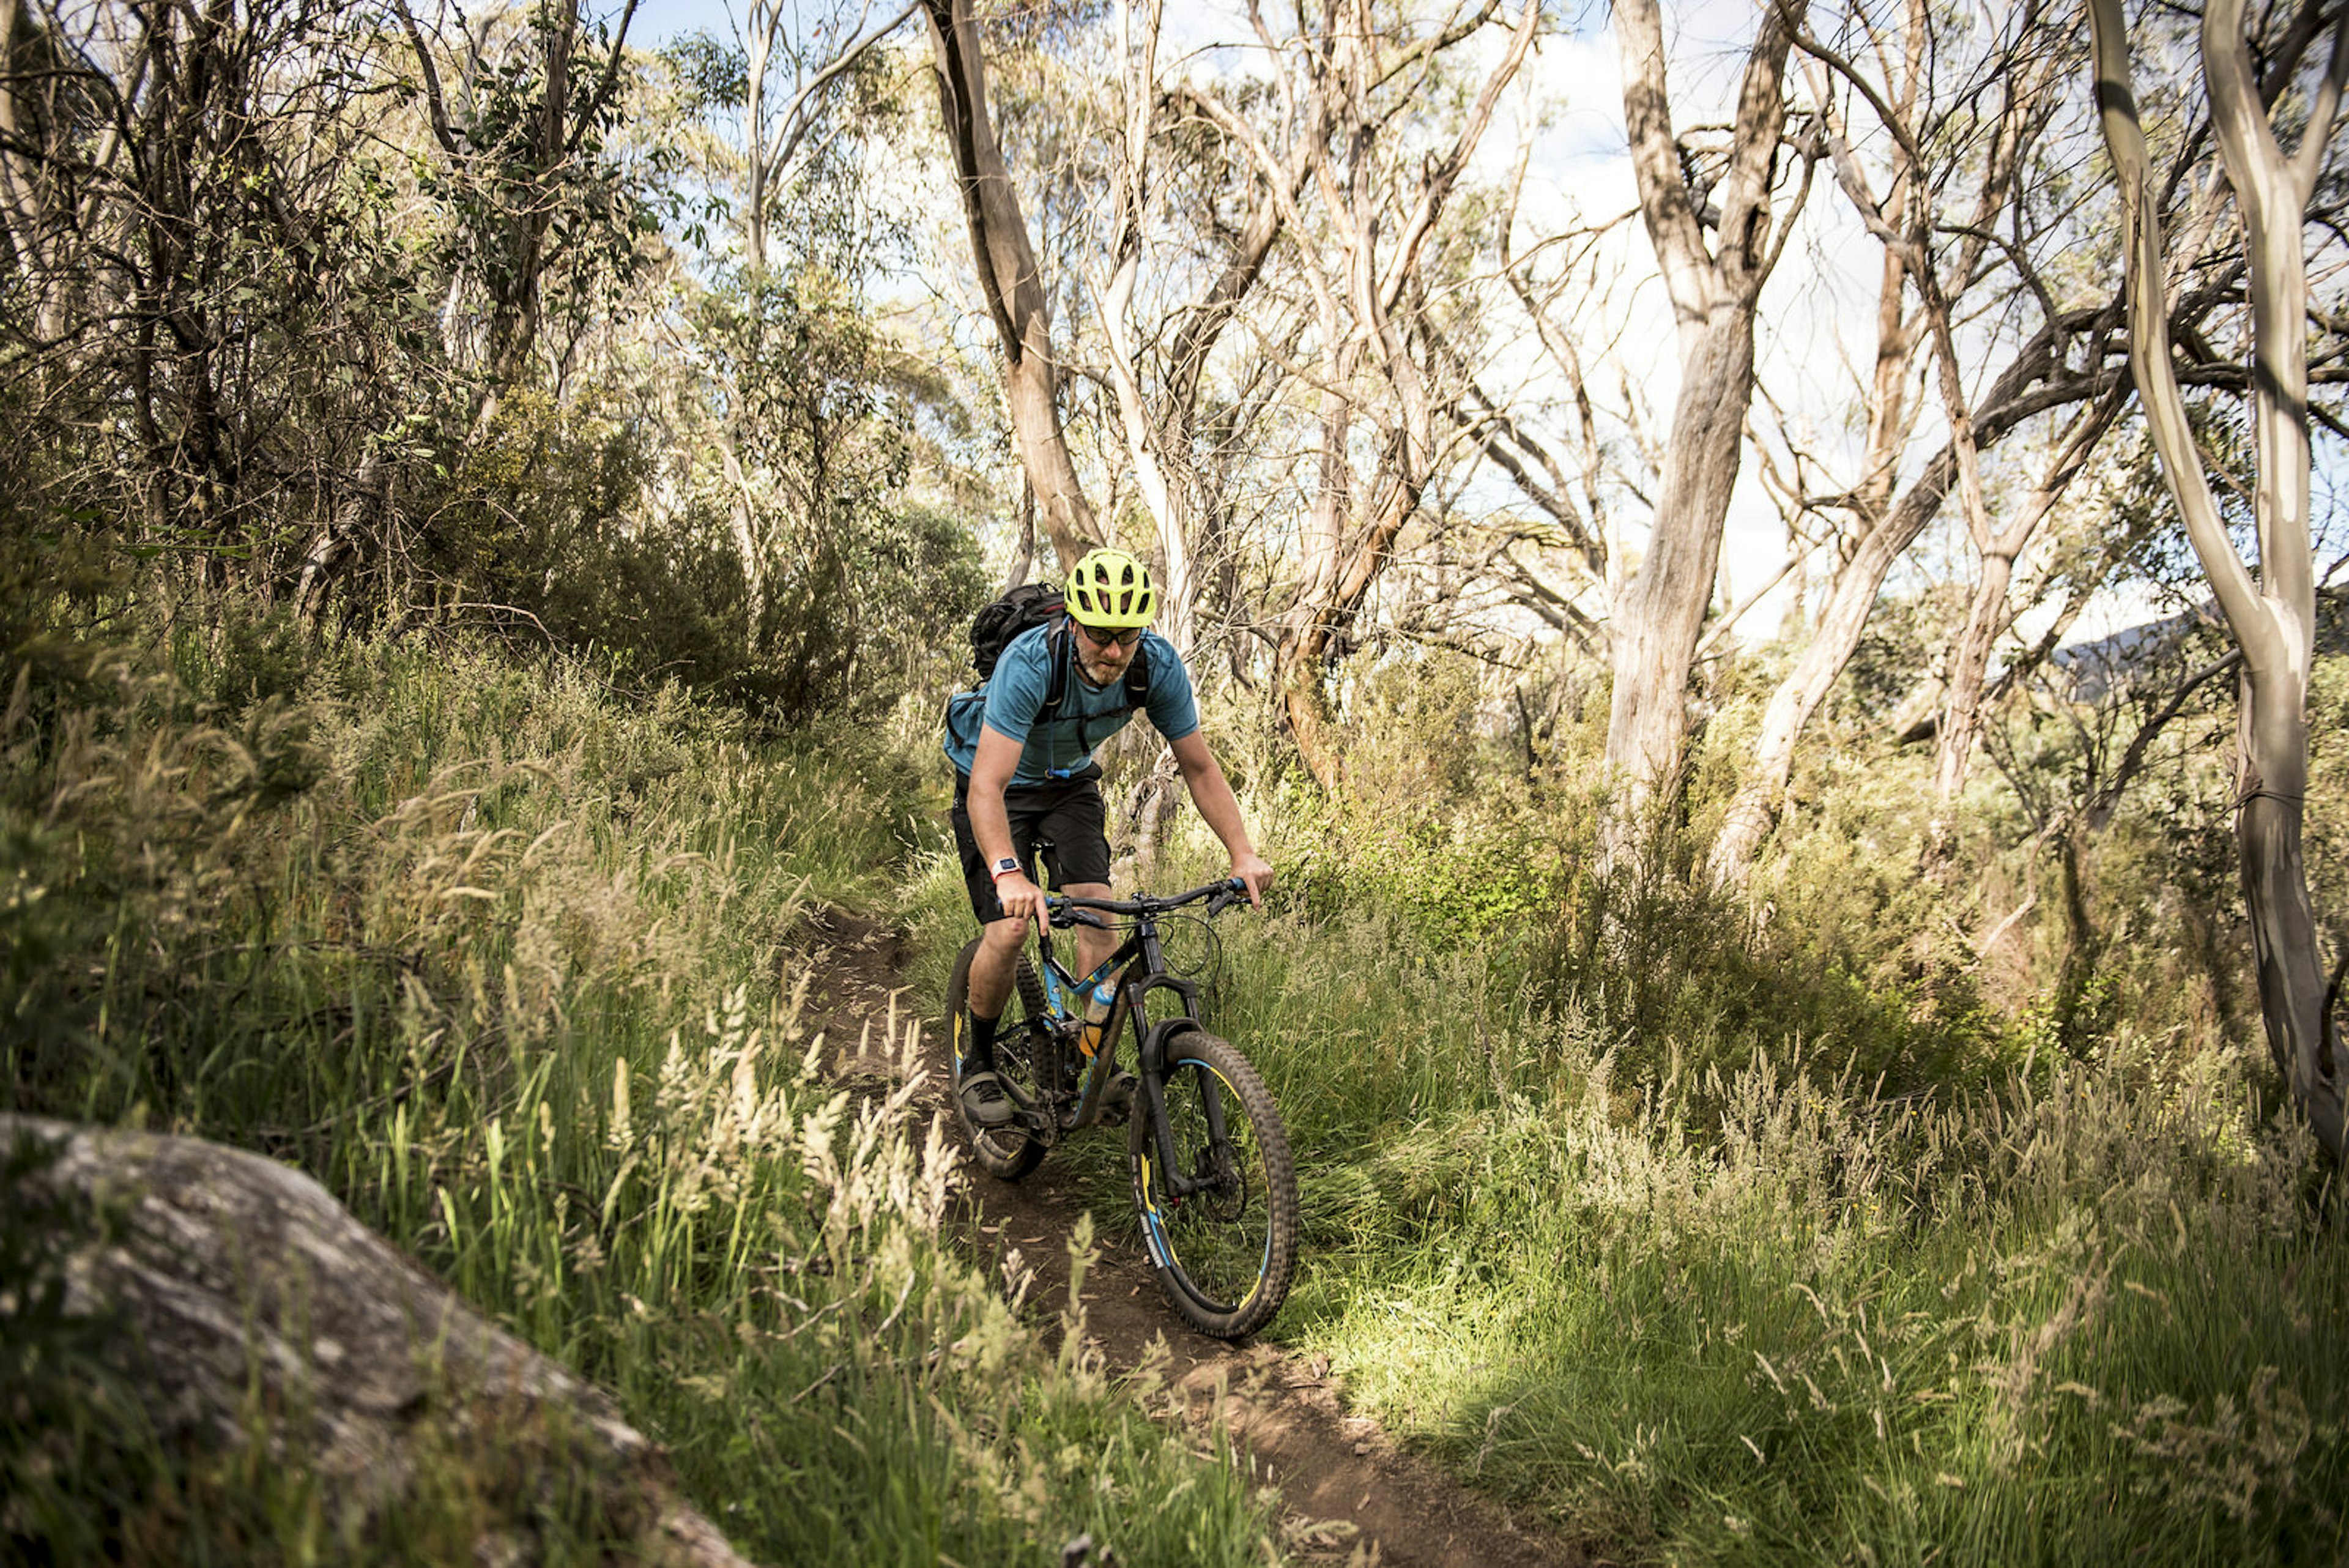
column 1009, row 1152
column 1221, row 1223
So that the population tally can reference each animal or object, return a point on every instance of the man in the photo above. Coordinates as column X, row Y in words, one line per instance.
column 1021, row 778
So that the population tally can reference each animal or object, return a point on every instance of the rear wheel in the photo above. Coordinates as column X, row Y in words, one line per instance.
column 1011, row 1151
column 1226, row 1248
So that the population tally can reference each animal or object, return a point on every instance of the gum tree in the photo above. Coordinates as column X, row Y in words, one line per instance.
column 1008, row 276
column 1382, row 204
column 1308, row 212
column 1965, row 199
column 1157, row 367
column 815, row 52
column 2269, row 609
column 1716, row 285
column 521, row 118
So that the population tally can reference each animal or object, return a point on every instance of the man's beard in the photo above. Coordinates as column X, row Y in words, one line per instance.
column 1102, row 674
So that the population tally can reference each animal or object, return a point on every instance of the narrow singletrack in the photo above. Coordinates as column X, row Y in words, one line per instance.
column 1350, row 1494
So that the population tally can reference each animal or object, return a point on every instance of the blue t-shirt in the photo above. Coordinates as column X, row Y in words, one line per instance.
column 1023, row 682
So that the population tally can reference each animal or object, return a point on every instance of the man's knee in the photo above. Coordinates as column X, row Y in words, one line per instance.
column 1094, row 943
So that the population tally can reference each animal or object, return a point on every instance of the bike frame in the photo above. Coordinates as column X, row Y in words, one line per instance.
column 1140, row 961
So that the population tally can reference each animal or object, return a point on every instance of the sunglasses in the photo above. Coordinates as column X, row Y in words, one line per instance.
column 1125, row 638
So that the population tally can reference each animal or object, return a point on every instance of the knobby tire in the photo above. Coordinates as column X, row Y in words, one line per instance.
column 1224, row 1257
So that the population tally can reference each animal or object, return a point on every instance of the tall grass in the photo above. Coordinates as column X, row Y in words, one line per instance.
column 1719, row 1233
column 1703, row 1289
column 493, row 951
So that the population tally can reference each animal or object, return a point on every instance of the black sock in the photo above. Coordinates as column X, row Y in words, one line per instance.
column 979, row 1051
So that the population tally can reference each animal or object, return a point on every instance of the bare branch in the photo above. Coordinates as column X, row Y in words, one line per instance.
column 792, row 125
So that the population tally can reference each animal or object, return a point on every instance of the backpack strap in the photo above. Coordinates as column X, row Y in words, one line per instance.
column 1060, row 654
column 1137, row 679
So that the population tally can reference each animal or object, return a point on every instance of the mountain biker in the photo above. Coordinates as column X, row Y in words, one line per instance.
column 1018, row 779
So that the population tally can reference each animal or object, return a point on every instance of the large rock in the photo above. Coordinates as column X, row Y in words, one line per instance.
column 242, row 1285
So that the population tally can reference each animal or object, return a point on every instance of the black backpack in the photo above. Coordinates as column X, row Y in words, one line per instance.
column 1000, row 619
column 1032, row 604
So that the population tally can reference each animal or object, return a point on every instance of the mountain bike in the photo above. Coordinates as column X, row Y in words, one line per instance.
column 1213, row 1184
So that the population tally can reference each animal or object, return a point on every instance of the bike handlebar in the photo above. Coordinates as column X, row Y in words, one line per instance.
column 1067, row 910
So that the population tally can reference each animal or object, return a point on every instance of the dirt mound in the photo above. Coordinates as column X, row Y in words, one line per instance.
column 1352, row 1495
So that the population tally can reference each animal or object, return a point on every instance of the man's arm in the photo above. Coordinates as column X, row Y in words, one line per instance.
column 990, row 774
column 1212, row 794
column 991, row 768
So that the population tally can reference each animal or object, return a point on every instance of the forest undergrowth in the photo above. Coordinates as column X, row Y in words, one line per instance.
column 493, row 950
column 2075, row 1312
column 1701, row 1237
column 1717, row 1240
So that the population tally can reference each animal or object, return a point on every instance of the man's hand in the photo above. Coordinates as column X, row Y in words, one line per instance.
column 1021, row 899
column 1251, row 869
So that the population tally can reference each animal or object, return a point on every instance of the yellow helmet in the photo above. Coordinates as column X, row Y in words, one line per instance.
column 1109, row 590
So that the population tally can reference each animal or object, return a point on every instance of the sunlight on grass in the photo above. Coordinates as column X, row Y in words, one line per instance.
column 2080, row 1315
column 1702, row 1306
column 496, row 955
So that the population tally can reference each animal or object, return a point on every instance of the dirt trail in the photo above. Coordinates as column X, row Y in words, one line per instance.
column 1351, row 1494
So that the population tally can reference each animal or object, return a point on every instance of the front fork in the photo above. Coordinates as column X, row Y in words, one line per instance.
column 1174, row 1182
column 1055, row 1042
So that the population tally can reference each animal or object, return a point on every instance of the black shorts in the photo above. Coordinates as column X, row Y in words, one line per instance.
column 1067, row 815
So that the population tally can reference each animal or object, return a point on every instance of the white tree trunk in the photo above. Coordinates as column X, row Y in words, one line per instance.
column 1714, row 296
column 2272, row 616
column 1655, row 627
column 1006, row 260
